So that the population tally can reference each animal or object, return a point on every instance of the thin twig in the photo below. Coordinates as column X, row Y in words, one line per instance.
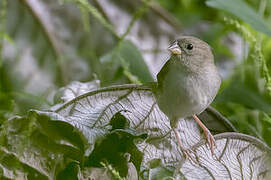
column 102, row 11
column 138, row 14
column 97, row 15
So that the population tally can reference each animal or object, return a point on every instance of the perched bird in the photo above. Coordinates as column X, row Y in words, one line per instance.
column 187, row 84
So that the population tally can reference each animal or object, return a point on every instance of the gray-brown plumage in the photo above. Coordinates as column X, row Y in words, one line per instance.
column 188, row 83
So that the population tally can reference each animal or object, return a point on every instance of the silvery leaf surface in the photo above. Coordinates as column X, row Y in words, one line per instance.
column 72, row 90
column 238, row 155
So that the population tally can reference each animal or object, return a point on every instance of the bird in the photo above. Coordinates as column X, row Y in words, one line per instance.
column 187, row 84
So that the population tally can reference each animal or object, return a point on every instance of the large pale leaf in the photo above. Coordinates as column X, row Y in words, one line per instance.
column 92, row 112
column 72, row 90
column 237, row 156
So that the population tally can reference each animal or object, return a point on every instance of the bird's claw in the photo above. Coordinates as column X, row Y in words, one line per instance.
column 211, row 141
column 188, row 154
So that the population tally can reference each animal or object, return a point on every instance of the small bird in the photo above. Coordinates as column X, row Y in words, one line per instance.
column 187, row 84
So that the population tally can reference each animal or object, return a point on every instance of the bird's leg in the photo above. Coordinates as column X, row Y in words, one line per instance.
column 210, row 138
column 187, row 152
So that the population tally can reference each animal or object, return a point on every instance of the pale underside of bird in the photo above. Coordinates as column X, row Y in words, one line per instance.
column 187, row 84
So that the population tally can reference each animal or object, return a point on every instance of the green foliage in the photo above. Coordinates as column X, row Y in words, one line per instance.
column 61, row 48
column 242, row 10
column 47, row 146
column 247, row 96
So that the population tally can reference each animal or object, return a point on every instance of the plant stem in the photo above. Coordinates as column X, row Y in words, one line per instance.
column 97, row 15
column 2, row 28
column 138, row 14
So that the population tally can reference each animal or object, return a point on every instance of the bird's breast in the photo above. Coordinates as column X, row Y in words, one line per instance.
column 184, row 94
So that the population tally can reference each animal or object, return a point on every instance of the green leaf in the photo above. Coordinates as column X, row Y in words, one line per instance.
column 39, row 145
column 133, row 57
column 70, row 172
column 55, row 127
column 12, row 167
column 125, row 61
column 242, row 10
column 114, row 148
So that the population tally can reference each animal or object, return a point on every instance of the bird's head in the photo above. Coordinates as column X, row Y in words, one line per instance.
column 191, row 51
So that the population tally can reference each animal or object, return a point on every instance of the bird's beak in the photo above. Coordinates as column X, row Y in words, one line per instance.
column 174, row 48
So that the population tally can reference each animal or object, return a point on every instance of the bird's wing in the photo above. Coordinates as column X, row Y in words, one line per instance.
column 161, row 75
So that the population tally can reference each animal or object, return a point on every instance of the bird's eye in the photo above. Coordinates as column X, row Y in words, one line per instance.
column 189, row 46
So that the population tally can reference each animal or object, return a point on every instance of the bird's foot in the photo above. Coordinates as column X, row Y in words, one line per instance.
column 210, row 140
column 188, row 153
column 191, row 155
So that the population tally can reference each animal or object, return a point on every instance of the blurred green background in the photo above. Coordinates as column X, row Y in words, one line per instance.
column 45, row 45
